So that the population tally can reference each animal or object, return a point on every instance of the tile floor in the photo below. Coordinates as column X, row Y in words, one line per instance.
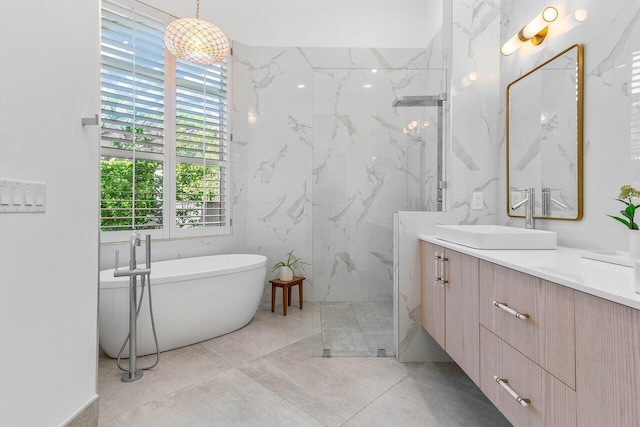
column 265, row 375
column 356, row 328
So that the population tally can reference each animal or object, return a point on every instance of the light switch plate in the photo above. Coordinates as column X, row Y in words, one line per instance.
column 5, row 196
column 477, row 201
column 22, row 196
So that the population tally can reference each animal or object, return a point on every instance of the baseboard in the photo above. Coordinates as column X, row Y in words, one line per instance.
column 87, row 416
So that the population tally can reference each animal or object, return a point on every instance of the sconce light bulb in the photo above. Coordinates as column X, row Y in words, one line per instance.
column 412, row 124
column 511, row 45
column 539, row 22
column 473, row 76
column 580, row 15
column 550, row 14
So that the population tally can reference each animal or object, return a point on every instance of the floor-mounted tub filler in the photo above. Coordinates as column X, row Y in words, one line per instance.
column 194, row 299
column 132, row 372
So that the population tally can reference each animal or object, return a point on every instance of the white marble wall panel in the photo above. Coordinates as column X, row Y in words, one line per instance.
column 472, row 161
column 474, row 110
column 611, row 39
column 367, row 165
column 277, row 113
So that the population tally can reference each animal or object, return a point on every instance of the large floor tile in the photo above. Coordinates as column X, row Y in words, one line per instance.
column 229, row 399
column 266, row 333
column 177, row 369
column 331, row 390
column 434, row 395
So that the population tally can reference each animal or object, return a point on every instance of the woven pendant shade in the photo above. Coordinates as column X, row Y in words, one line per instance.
column 196, row 41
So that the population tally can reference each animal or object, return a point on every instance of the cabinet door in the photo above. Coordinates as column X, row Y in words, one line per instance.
column 551, row 402
column 432, row 293
column 462, row 317
column 607, row 362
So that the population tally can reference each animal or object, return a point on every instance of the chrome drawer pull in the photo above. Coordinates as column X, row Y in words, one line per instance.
column 439, row 267
column 502, row 305
column 521, row 400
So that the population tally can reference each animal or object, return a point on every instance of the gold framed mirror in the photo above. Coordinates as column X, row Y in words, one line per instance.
column 544, row 111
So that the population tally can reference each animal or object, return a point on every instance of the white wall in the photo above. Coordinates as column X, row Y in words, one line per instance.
column 49, row 262
column 611, row 39
column 330, row 23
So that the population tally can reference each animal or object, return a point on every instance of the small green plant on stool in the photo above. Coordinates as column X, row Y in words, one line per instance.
column 286, row 267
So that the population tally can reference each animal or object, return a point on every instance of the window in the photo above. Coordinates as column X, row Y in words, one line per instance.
column 164, row 132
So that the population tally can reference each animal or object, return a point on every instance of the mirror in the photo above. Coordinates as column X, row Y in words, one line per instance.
column 544, row 138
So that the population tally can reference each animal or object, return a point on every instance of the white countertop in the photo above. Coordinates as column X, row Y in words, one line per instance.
column 564, row 266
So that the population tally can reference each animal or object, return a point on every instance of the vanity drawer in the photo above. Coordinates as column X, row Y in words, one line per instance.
column 525, row 393
column 534, row 316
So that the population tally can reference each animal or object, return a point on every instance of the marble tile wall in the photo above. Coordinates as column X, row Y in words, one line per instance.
column 370, row 160
column 476, row 137
column 472, row 150
column 611, row 39
column 323, row 161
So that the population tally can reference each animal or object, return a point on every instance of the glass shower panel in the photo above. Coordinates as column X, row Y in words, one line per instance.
column 370, row 160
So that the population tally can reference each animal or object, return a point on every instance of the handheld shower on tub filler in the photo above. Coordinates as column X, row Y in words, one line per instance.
column 133, row 373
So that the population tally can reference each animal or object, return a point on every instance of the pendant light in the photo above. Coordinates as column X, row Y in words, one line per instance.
column 195, row 40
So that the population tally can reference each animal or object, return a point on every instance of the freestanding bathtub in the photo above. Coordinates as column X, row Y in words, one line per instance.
column 194, row 299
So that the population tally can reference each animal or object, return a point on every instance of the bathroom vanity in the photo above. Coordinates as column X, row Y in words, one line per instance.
column 551, row 339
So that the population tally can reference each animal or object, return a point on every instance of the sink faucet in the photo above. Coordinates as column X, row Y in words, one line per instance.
column 529, row 203
column 548, row 201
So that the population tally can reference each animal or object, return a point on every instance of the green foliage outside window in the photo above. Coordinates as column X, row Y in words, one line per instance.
column 197, row 191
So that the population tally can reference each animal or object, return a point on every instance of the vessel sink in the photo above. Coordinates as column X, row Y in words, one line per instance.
column 496, row 237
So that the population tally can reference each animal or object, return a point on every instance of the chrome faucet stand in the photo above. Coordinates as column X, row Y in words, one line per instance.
column 133, row 374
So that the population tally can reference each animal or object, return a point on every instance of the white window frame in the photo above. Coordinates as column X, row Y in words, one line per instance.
column 170, row 230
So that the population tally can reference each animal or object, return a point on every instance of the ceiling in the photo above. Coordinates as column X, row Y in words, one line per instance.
column 315, row 23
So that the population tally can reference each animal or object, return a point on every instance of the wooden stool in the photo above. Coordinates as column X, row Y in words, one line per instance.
column 286, row 292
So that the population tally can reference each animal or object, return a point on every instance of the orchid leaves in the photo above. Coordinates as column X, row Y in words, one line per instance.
column 627, row 192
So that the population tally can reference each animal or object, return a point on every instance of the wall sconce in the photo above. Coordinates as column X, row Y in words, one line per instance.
column 535, row 31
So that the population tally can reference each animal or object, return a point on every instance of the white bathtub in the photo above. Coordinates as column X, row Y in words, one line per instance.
column 194, row 299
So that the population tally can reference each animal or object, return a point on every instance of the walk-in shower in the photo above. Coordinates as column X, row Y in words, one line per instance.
column 371, row 157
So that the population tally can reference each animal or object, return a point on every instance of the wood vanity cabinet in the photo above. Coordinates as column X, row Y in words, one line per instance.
column 527, row 340
column 573, row 358
column 608, row 362
column 432, row 292
column 449, row 304
column 544, row 331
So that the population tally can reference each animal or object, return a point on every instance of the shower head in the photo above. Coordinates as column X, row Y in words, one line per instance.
column 419, row 101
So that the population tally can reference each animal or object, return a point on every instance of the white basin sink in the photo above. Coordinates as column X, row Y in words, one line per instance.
column 497, row 237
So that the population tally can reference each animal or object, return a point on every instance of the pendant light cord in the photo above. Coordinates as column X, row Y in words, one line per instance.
column 198, row 9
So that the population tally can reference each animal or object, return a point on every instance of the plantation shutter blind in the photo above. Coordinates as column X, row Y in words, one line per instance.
column 201, row 145
column 133, row 128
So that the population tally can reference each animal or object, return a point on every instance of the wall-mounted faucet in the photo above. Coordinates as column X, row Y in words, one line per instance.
column 529, row 203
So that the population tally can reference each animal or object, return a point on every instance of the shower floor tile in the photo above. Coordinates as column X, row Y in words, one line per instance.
column 356, row 328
